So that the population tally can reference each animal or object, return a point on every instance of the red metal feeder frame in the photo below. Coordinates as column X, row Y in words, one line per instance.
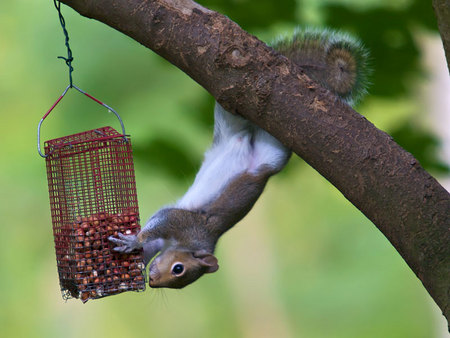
column 93, row 196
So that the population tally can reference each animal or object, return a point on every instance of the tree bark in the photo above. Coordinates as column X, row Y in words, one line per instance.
column 442, row 11
column 249, row 78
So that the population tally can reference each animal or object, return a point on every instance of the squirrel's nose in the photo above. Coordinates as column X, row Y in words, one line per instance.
column 152, row 283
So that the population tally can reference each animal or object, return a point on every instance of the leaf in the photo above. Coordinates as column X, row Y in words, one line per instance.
column 423, row 145
column 167, row 155
column 250, row 14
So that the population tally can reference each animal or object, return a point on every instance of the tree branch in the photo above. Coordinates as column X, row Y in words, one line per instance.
column 246, row 77
column 442, row 11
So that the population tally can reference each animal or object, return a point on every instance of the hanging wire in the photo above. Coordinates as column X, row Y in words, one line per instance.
column 69, row 57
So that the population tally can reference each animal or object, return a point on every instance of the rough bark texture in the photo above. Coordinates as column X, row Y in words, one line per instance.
column 442, row 11
column 380, row 178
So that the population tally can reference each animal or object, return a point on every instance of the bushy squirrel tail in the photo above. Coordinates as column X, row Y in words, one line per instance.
column 334, row 59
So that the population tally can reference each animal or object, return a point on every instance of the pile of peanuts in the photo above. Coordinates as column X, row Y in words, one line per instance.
column 92, row 269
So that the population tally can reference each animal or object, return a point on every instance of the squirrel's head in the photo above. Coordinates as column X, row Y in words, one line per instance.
column 174, row 268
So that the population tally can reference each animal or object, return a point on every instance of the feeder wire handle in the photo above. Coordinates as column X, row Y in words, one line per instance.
column 69, row 57
column 59, row 99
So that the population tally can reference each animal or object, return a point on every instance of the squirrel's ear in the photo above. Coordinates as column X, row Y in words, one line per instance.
column 207, row 260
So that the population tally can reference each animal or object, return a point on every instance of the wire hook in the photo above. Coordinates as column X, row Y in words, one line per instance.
column 59, row 99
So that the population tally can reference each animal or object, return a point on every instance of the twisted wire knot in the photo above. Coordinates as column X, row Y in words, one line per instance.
column 68, row 60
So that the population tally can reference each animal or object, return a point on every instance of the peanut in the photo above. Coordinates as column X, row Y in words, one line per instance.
column 97, row 270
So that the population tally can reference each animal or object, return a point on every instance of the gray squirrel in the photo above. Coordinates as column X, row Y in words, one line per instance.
column 236, row 168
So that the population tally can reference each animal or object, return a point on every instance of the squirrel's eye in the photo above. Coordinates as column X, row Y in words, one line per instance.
column 177, row 269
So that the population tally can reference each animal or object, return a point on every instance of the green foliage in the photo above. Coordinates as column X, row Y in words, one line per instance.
column 251, row 14
column 424, row 145
column 166, row 155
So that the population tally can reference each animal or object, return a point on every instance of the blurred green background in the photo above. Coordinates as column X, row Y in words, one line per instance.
column 304, row 263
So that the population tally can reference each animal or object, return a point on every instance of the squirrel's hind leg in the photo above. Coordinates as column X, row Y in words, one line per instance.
column 268, row 153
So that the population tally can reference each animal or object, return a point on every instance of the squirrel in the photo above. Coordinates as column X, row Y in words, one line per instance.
column 237, row 167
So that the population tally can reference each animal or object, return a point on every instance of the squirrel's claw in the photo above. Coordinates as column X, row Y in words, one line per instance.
column 125, row 243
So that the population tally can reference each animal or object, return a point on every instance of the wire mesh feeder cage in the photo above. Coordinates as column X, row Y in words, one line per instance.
column 93, row 196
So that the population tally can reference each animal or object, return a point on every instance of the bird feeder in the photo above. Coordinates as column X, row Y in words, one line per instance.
column 92, row 193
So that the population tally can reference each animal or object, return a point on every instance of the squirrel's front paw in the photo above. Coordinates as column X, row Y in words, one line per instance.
column 125, row 243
